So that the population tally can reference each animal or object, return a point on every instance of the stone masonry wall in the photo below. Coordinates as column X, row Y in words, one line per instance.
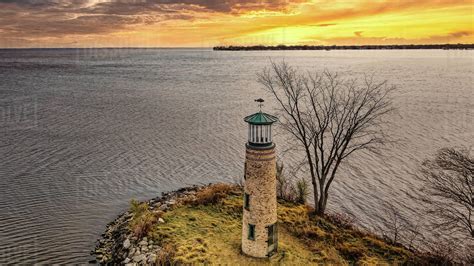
column 260, row 184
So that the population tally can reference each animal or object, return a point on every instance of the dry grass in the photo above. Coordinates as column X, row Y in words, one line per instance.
column 208, row 230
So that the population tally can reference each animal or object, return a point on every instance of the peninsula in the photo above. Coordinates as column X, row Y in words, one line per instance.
column 203, row 225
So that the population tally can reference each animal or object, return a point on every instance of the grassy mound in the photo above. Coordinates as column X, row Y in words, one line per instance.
column 206, row 228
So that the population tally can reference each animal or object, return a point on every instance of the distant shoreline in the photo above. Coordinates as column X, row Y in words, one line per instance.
column 348, row 47
column 277, row 47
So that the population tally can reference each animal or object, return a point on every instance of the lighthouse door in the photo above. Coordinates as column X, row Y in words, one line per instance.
column 272, row 239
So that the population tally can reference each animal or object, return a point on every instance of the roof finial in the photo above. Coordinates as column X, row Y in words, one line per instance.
column 260, row 103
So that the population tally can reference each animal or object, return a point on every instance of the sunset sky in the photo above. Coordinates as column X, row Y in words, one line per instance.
column 204, row 23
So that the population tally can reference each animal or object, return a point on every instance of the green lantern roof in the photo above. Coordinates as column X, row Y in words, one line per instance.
column 260, row 119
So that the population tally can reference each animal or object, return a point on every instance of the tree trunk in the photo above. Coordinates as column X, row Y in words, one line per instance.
column 313, row 177
column 321, row 205
column 316, row 196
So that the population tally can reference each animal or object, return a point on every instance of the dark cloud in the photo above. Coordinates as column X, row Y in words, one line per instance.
column 140, row 6
column 45, row 4
column 222, row 6
column 20, row 18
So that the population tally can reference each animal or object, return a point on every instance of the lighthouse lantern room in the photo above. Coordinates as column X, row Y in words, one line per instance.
column 260, row 129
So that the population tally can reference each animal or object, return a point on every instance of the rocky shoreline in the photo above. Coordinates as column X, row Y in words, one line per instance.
column 202, row 225
column 118, row 245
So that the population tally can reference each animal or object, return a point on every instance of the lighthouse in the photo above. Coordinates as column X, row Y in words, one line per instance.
column 259, row 220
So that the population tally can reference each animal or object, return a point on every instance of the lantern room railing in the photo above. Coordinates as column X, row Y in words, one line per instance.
column 260, row 134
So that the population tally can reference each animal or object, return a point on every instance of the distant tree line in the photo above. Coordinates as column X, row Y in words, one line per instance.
column 458, row 46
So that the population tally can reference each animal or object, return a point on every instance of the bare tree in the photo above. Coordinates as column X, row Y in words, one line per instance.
column 396, row 225
column 330, row 118
column 397, row 228
column 449, row 190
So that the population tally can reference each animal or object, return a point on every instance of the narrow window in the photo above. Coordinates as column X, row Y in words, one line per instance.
column 251, row 235
column 271, row 234
column 245, row 171
column 247, row 201
column 272, row 239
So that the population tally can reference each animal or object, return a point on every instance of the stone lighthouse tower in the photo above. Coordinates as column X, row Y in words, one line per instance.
column 259, row 222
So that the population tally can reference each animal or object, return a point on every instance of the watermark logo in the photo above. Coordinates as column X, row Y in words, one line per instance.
column 19, row 113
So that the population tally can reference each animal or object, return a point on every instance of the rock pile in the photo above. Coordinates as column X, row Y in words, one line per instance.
column 119, row 246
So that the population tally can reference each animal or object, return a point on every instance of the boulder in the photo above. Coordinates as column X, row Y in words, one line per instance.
column 152, row 258
column 139, row 258
column 126, row 243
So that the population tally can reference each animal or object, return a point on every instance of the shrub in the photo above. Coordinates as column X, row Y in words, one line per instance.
column 143, row 218
column 287, row 190
column 341, row 220
column 291, row 193
column 211, row 194
column 138, row 208
column 165, row 255
column 302, row 191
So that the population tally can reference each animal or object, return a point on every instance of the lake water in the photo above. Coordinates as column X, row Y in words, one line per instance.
column 84, row 131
